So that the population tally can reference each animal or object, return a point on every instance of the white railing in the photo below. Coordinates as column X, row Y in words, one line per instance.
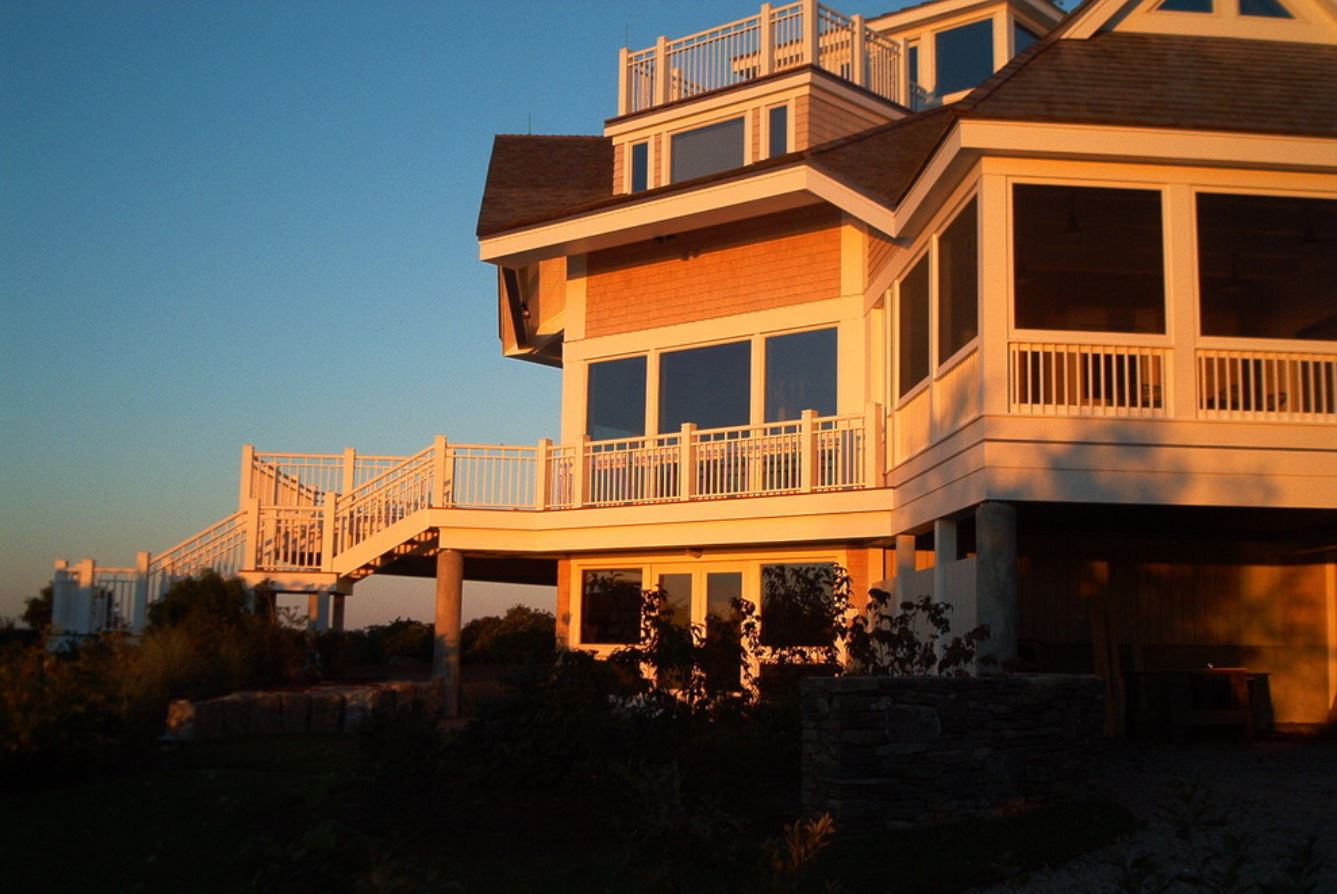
column 776, row 39
column 290, row 538
column 1288, row 386
column 221, row 546
column 380, row 502
column 302, row 523
column 1087, row 380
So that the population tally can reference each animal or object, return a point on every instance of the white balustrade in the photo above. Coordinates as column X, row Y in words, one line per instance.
column 1289, row 386
column 1086, row 379
column 776, row 39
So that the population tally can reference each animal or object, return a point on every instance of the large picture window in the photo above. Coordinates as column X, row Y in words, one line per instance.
column 1267, row 266
column 958, row 283
column 1088, row 259
column 610, row 607
column 706, row 150
column 615, row 405
column 912, row 328
column 800, row 374
column 710, row 386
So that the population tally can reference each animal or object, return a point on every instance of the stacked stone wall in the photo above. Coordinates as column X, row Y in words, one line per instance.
column 885, row 752
column 321, row 710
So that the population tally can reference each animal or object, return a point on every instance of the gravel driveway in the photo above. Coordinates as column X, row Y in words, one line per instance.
column 1274, row 792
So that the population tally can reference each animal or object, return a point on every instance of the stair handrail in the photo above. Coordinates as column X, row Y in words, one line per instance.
column 213, row 533
column 364, row 489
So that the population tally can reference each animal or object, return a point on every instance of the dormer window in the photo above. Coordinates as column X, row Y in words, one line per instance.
column 1185, row 6
column 964, row 56
column 707, row 150
column 640, row 167
column 777, row 124
column 1270, row 9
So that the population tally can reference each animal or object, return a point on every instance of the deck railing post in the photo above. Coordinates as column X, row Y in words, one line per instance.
column 874, row 446
column 579, row 467
column 541, row 453
column 808, row 447
column 661, row 71
column 139, row 610
column 766, row 36
column 349, row 470
column 686, row 460
column 442, row 473
column 247, row 462
column 812, row 30
column 624, row 86
column 251, row 539
column 857, row 73
column 83, row 602
column 328, row 525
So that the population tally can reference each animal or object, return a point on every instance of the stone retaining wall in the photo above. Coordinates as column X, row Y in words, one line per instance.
column 321, row 710
column 883, row 752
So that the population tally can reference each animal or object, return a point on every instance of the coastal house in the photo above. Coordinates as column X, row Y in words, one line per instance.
column 1029, row 311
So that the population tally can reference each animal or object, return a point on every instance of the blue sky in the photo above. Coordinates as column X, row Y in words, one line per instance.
column 224, row 223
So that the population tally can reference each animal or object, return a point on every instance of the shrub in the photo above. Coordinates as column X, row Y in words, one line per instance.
column 523, row 635
column 905, row 643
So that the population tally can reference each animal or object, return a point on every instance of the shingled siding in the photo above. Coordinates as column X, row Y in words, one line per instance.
column 883, row 752
column 817, row 121
column 775, row 261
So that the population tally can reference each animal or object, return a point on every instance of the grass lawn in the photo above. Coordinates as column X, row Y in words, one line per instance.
column 293, row 814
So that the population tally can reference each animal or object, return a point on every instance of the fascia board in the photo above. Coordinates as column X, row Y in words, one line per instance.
column 785, row 188
column 1142, row 144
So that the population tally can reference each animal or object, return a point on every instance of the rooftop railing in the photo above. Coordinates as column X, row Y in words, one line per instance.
column 777, row 38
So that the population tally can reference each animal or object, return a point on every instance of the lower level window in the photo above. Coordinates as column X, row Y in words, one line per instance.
column 610, row 607
column 795, row 602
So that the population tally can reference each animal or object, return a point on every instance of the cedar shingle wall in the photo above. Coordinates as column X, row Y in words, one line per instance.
column 880, row 248
column 777, row 261
column 619, row 159
column 828, row 122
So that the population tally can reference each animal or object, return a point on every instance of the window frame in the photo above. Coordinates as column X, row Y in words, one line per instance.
column 1082, row 336
column 1228, row 342
column 669, row 137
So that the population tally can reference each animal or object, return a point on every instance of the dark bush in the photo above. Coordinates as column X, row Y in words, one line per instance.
column 522, row 636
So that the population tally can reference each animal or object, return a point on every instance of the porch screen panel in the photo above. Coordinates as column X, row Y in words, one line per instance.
column 710, row 386
column 1267, row 266
column 912, row 329
column 800, row 374
column 1088, row 259
column 616, row 399
column 958, row 283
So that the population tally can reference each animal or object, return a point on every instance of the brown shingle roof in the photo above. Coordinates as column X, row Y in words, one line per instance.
column 533, row 178
column 1135, row 80
column 1173, row 81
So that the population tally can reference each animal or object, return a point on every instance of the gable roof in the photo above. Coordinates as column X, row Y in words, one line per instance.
column 1168, row 81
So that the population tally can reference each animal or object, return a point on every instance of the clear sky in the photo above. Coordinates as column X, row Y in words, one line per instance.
column 253, row 222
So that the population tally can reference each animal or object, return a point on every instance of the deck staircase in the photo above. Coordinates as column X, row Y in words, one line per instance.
column 317, row 523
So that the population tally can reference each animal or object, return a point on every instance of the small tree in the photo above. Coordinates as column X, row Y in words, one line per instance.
column 906, row 643
column 37, row 609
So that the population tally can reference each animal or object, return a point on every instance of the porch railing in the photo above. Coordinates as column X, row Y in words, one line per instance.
column 1088, row 380
column 777, row 38
column 1282, row 386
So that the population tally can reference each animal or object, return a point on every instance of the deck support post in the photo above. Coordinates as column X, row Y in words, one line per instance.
column 905, row 566
column 996, row 579
column 337, row 612
column 318, row 612
column 449, row 606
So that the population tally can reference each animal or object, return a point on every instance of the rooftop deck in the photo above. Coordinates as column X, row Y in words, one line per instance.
column 776, row 39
